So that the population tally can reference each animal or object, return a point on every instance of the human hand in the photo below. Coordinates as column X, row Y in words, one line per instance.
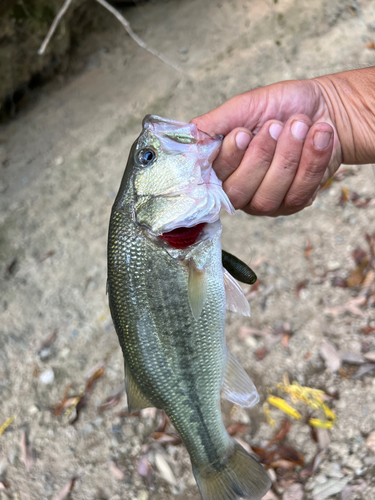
column 280, row 145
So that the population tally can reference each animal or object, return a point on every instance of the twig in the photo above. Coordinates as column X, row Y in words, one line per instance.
column 135, row 37
column 118, row 16
column 56, row 21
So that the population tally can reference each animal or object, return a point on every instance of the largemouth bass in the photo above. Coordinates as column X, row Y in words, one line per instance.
column 168, row 293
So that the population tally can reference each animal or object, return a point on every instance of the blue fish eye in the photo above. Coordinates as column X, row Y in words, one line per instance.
column 146, row 156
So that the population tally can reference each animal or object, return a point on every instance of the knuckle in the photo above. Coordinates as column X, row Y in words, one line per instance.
column 295, row 202
column 263, row 206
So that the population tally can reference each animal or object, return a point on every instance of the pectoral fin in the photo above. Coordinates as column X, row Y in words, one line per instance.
column 197, row 289
column 136, row 400
column 238, row 386
column 236, row 300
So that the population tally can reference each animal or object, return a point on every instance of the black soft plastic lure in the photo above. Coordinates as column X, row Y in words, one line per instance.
column 238, row 269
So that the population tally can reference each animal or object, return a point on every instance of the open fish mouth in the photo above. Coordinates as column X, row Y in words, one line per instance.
column 183, row 237
column 180, row 189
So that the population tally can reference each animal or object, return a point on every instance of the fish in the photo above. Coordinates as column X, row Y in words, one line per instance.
column 168, row 293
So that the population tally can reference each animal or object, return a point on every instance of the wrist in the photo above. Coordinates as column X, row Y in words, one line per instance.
column 350, row 99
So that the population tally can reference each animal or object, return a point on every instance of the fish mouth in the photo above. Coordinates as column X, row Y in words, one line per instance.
column 183, row 237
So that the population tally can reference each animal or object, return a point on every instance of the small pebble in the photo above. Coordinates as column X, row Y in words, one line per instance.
column 59, row 161
column 47, row 377
column 45, row 353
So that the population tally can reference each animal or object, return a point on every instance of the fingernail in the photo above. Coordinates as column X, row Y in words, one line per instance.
column 242, row 140
column 275, row 130
column 321, row 140
column 299, row 130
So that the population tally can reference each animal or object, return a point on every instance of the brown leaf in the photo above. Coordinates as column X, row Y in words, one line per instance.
column 308, row 248
column 281, row 433
column 27, row 452
column 11, row 266
column 287, row 452
column 370, row 45
column 165, row 438
column 344, row 196
column 339, row 282
column 359, row 255
column 112, row 400
column 357, row 275
column 236, row 428
column 64, row 492
column 49, row 340
column 163, row 422
column 261, row 353
column 368, row 329
column 93, row 375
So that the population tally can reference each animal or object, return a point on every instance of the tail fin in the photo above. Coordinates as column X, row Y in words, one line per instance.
column 240, row 477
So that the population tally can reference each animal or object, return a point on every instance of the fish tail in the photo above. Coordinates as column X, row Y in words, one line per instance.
column 240, row 476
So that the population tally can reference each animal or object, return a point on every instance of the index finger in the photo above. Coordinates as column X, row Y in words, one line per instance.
column 240, row 111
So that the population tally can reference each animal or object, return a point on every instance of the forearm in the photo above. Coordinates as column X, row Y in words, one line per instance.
column 351, row 99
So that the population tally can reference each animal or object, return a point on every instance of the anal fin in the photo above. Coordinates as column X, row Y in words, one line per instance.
column 238, row 388
column 136, row 400
column 236, row 300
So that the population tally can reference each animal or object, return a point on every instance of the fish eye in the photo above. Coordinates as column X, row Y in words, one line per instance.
column 146, row 156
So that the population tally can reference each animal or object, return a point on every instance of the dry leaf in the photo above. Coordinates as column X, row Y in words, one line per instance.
column 308, row 248
column 66, row 490
column 332, row 486
column 330, row 356
column 367, row 329
column 113, row 399
column 370, row 441
column 27, row 452
column 164, row 438
column 282, row 432
column 236, row 428
column 261, row 353
column 49, row 340
column 164, row 469
column 364, row 369
column 370, row 45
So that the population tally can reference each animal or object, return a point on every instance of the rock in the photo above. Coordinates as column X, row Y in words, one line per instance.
column 370, row 441
column 45, row 353
column 87, row 430
column 333, row 469
column 354, row 463
column 47, row 377
column 295, row 492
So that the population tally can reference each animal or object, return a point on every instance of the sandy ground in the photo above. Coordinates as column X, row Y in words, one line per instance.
column 61, row 162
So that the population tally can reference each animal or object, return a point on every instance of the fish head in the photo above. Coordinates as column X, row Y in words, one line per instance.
column 174, row 184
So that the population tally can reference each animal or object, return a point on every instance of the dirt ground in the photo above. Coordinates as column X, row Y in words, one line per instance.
column 61, row 161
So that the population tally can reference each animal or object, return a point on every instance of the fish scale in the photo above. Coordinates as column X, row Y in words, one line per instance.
column 168, row 301
column 159, row 344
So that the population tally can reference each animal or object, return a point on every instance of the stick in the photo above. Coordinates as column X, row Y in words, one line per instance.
column 135, row 37
column 118, row 16
column 53, row 27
